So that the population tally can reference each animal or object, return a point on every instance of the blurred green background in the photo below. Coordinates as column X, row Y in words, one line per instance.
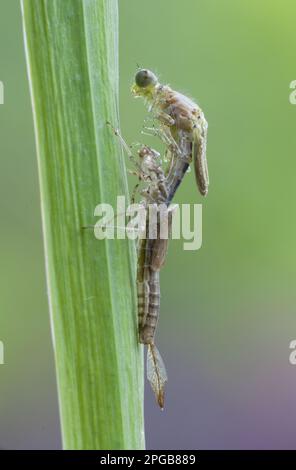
column 228, row 310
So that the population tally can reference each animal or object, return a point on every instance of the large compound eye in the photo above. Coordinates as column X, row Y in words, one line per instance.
column 145, row 78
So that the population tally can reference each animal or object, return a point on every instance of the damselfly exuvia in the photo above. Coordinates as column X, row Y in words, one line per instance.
column 182, row 127
column 151, row 257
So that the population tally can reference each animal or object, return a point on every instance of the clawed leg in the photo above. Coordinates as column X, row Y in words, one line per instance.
column 165, row 136
column 165, row 118
column 125, row 146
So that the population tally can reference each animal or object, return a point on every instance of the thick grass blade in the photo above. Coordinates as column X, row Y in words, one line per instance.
column 71, row 48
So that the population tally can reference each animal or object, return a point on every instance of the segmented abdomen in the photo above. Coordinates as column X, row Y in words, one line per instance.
column 142, row 283
column 148, row 323
column 148, row 290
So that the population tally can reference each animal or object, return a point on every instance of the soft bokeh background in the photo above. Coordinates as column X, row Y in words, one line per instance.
column 228, row 310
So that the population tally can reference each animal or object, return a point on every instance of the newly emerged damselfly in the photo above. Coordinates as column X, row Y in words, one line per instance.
column 182, row 127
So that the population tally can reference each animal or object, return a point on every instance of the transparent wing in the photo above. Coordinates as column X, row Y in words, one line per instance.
column 156, row 373
column 200, row 159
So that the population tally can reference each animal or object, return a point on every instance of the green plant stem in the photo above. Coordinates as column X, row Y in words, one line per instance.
column 71, row 48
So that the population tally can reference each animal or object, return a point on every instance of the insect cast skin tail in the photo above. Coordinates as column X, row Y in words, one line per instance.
column 156, row 373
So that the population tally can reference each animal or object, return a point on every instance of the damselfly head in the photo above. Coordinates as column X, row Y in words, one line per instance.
column 146, row 151
column 145, row 81
column 145, row 78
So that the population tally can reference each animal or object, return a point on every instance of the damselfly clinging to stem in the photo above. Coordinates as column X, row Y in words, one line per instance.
column 182, row 127
column 151, row 257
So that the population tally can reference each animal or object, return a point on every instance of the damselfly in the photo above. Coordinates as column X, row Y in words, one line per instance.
column 182, row 127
